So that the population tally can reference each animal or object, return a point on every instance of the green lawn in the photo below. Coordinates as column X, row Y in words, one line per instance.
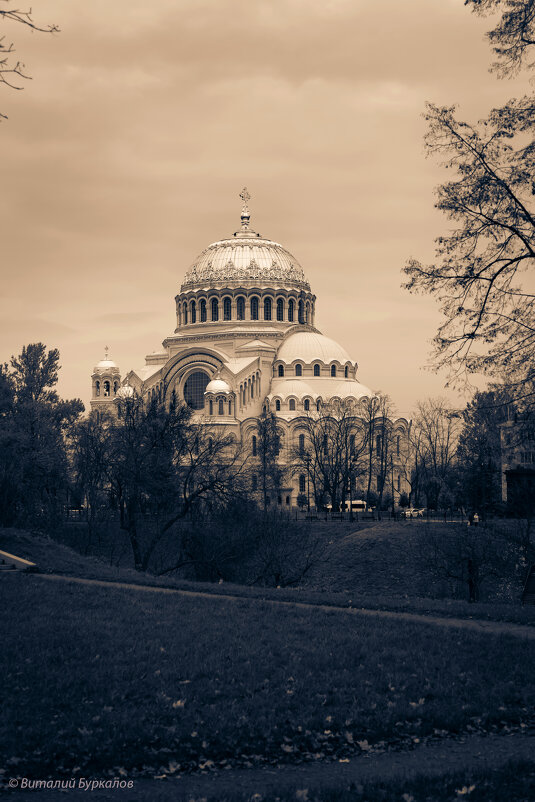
column 107, row 679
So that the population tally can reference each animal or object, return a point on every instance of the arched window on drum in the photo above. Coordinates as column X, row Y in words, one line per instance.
column 291, row 310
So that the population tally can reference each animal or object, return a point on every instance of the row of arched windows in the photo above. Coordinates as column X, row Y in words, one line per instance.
column 281, row 370
column 250, row 389
column 292, row 405
column 106, row 388
column 198, row 312
column 220, row 402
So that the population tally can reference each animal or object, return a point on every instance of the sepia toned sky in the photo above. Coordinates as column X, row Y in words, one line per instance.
column 124, row 156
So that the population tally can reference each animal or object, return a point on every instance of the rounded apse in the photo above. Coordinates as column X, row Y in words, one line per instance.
column 194, row 388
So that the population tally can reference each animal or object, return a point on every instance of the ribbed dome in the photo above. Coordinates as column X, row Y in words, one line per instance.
column 245, row 259
column 311, row 346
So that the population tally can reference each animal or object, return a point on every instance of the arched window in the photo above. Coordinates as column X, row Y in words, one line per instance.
column 185, row 313
column 227, row 308
column 254, row 308
column 281, row 370
column 301, row 312
column 215, row 309
column 194, row 388
column 252, row 387
column 291, row 307
column 292, row 404
column 267, row 308
column 221, row 409
column 254, row 482
column 211, row 407
column 316, row 370
column 325, row 444
column 398, row 442
column 116, row 387
column 97, row 388
column 302, row 483
column 301, row 443
column 318, row 405
column 106, row 389
column 277, row 406
column 280, row 309
column 254, row 445
column 352, row 443
column 307, row 313
column 333, row 370
column 230, row 407
column 346, row 372
column 240, row 308
column 307, row 405
column 298, row 370
column 202, row 307
column 193, row 311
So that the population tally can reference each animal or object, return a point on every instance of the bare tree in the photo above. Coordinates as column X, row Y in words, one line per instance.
column 12, row 71
column 481, row 276
column 434, row 436
column 332, row 452
column 513, row 36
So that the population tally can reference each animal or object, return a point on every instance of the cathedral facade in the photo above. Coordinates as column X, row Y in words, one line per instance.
column 245, row 341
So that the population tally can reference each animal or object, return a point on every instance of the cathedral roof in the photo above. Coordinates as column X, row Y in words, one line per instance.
column 245, row 259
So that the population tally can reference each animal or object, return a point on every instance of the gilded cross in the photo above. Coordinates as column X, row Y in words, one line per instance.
column 106, row 349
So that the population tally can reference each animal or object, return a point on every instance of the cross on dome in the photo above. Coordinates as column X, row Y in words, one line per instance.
column 245, row 214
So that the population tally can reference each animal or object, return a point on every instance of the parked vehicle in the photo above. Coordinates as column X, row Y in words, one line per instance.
column 414, row 512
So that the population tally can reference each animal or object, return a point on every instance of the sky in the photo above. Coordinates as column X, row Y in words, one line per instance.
column 124, row 156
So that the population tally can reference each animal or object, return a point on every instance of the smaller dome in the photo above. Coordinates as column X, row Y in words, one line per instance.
column 217, row 386
column 126, row 391
column 311, row 346
column 106, row 363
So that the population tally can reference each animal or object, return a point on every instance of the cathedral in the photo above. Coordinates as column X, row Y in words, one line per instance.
column 245, row 340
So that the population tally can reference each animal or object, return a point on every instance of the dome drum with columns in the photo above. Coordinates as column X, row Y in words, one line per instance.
column 245, row 340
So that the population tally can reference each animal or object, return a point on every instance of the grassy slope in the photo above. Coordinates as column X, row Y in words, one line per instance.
column 104, row 678
column 346, row 578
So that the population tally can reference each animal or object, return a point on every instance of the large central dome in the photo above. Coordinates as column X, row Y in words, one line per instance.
column 245, row 259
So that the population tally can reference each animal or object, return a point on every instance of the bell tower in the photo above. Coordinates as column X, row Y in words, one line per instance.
column 105, row 382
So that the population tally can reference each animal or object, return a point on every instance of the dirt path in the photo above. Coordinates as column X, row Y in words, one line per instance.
column 476, row 625
column 478, row 752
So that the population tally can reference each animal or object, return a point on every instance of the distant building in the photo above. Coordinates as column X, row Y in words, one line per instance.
column 246, row 341
column 518, row 463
